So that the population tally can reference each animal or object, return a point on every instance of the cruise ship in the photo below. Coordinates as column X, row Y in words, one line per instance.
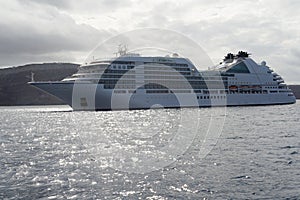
column 132, row 81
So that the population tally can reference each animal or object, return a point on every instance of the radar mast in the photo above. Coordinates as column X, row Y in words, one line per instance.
column 122, row 50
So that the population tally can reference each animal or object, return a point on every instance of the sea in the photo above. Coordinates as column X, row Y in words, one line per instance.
column 52, row 152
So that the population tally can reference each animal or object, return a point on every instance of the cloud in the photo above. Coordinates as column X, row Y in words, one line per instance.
column 37, row 31
column 269, row 29
column 60, row 4
column 85, row 7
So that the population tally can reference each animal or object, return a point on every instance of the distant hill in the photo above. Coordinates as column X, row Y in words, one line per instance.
column 14, row 89
column 296, row 90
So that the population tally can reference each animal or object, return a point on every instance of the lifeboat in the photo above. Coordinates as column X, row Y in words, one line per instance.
column 244, row 87
column 256, row 87
column 233, row 88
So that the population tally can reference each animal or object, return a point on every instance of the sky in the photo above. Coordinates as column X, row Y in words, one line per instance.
column 36, row 31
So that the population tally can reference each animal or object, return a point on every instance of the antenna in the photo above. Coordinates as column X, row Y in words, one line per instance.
column 32, row 77
column 122, row 50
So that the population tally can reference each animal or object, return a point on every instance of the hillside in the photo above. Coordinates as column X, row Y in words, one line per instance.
column 14, row 89
column 296, row 90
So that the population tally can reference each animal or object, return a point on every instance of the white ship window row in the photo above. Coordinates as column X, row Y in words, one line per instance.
column 205, row 92
column 211, row 97
column 121, row 67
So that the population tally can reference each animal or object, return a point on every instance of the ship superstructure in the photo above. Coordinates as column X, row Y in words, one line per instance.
column 131, row 81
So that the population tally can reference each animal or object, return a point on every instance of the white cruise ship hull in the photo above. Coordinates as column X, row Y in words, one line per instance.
column 135, row 82
column 86, row 96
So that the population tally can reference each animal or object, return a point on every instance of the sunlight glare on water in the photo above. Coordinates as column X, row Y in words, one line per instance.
column 50, row 152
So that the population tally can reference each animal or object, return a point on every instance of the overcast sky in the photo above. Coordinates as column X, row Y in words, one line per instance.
column 67, row 30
